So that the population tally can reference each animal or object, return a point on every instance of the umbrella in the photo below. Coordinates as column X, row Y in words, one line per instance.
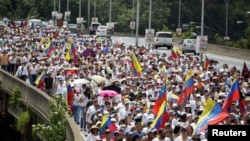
column 109, row 93
column 2, row 24
column 88, row 52
column 113, row 88
column 98, row 79
column 80, row 81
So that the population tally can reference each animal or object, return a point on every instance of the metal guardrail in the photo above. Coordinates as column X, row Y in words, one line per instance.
column 37, row 101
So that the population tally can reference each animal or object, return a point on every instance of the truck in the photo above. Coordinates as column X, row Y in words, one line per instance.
column 94, row 25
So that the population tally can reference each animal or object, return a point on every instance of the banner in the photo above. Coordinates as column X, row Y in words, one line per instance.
column 149, row 36
column 201, row 44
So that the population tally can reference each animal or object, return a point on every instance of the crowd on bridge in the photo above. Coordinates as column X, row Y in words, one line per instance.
column 125, row 93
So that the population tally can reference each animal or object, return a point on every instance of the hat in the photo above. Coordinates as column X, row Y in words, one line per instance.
column 94, row 127
column 188, row 106
column 98, row 122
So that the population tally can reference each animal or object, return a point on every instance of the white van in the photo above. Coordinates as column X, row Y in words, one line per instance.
column 163, row 39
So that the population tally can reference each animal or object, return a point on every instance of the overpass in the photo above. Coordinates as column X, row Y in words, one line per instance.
column 36, row 100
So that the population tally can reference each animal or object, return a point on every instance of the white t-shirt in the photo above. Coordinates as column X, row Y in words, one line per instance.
column 179, row 138
column 157, row 139
column 85, row 100
column 91, row 137
column 90, row 112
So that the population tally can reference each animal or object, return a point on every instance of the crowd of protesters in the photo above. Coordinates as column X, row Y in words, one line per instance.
column 130, row 112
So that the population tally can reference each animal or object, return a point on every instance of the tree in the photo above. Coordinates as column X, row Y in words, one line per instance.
column 15, row 98
column 56, row 130
column 22, row 124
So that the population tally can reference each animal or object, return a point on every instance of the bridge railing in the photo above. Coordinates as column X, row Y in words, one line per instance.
column 37, row 101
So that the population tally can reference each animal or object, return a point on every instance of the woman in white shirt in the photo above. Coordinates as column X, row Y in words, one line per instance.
column 33, row 73
column 83, row 103
column 76, row 100
column 93, row 133
column 22, row 71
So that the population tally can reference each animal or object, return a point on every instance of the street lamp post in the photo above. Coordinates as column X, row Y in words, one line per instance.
column 67, row 5
column 88, row 13
column 226, row 34
column 179, row 17
column 110, row 10
column 133, row 15
column 80, row 8
column 178, row 30
column 150, row 14
column 67, row 13
column 202, row 17
column 202, row 24
column 95, row 8
column 54, row 5
column 150, row 18
column 59, row 6
column 137, row 22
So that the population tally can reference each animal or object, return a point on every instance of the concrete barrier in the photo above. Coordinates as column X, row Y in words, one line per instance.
column 224, row 50
column 37, row 101
column 229, row 51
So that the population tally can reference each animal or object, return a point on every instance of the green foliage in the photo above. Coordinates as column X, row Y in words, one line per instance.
column 22, row 122
column 188, row 35
column 56, row 130
column 15, row 98
column 164, row 12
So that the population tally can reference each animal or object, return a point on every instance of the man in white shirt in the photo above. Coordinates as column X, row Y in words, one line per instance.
column 91, row 111
column 22, row 71
column 61, row 88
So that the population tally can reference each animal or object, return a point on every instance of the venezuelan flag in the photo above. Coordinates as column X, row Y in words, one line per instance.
column 159, row 72
column 71, row 53
column 202, row 75
column 136, row 65
column 172, row 98
column 233, row 95
column 189, row 83
column 40, row 79
column 182, row 97
column 162, row 96
column 213, row 114
column 161, row 118
column 173, row 54
column 206, row 62
column 107, row 124
column 48, row 48
column 242, row 104
column 69, row 96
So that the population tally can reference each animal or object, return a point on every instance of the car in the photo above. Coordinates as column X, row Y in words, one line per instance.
column 93, row 27
column 188, row 46
column 163, row 39
column 102, row 31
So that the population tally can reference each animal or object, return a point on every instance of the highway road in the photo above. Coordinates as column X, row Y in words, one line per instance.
column 231, row 61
